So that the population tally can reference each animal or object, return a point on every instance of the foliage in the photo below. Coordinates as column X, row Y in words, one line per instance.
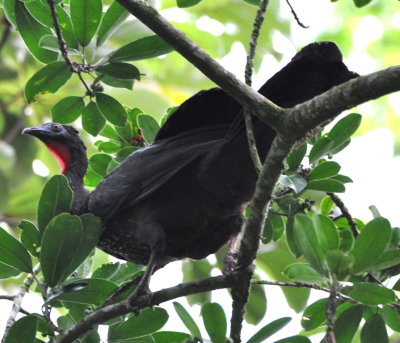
column 315, row 240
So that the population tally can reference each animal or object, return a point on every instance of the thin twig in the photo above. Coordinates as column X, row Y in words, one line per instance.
column 345, row 212
column 16, row 308
column 330, row 310
column 295, row 16
column 240, row 293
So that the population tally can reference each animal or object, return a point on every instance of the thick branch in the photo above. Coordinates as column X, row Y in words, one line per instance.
column 246, row 96
column 326, row 106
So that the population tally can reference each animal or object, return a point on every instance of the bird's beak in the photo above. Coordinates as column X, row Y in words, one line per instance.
column 33, row 131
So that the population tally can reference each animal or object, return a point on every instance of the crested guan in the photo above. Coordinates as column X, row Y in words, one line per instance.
column 183, row 196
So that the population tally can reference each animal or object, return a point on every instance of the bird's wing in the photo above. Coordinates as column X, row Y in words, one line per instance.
column 146, row 170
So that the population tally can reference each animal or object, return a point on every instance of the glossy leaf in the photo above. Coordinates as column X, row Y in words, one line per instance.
column 31, row 31
column 47, row 80
column 320, row 148
column 116, row 272
column 23, row 330
column 374, row 330
column 120, row 70
column 370, row 293
column 170, row 337
column 194, row 270
column 346, row 240
column 187, row 320
column 371, row 243
column 344, row 128
column 294, row 339
column 292, row 245
column 113, row 18
column 111, row 109
column 117, row 83
column 256, row 306
column 295, row 158
column 56, row 198
column 324, row 170
column 307, row 241
column 327, row 185
column 13, row 253
column 149, row 127
column 9, row 11
column 361, row 3
column 347, row 323
column 214, row 320
column 30, row 237
column 269, row 329
column 187, row 3
column 314, row 315
column 92, row 119
column 85, row 16
column 273, row 229
column 328, row 236
column 293, row 181
column 95, row 293
column 388, row 259
column 302, row 272
column 339, row 262
column 99, row 162
column 392, row 317
column 143, row 48
column 7, row 271
column 67, row 110
column 146, row 323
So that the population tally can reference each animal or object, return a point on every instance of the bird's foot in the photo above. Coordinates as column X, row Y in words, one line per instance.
column 141, row 290
column 230, row 264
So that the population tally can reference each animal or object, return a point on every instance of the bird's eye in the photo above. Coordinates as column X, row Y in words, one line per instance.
column 56, row 127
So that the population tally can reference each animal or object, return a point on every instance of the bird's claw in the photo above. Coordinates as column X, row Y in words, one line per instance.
column 230, row 264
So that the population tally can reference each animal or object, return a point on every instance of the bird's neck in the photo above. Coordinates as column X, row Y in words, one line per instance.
column 75, row 174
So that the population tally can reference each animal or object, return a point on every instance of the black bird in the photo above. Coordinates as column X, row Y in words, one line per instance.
column 183, row 196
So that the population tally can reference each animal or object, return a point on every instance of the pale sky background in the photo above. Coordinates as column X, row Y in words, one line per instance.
column 368, row 160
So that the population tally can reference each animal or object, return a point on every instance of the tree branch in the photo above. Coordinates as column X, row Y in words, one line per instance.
column 16, row 308
column 247, row 97
column 345, row 212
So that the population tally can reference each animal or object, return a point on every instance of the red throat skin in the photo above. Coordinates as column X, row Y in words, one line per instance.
column 61, row 153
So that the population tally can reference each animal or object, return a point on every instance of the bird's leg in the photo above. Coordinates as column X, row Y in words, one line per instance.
column 230, row 256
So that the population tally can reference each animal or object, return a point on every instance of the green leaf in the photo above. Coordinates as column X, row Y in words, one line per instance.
column 109, row 148
column 256, row 306
column 30, row 237
column 47, row 80
column 293, row 181
column 345, row 127
column 92, row 119
column 187, row 3
column 215, row 322
column 328, row 235
column 7, row 271
column 295, row 158
column 346, row 240
column 99, row 163
column 324, row 170
column 294, row 339
column 339, row 262
column 392, row 317
column 170, row 337
column 31, row 31
column 268, row 330
column 347, row 323
column 95, row 293
column 59, row 247
column 9, row 11
column 302, row 272
column 146, row 323
column 120, row 70
column 273, row 229
column 253, row 2
column 320, row 148
column 23, row 330
column 56, row 198
column 307, row 241
column 13, row 253
column 149, row 127
column 388, row 259
column 85, row 16
column 292, row 245
column 40, row 11
column 194, row 270
column 370, row 293
column 67, row 110
column 117, row 83
column 111, row 109
column 361, row 3
column 147, row 47
column 326, row 205
column 187, row 320
column 342, row 178
column 371, row 243
column 314, row 315
column 327, row 185
column 113, row 18
column 374, row 330
column 51, row 43
column 116, row 272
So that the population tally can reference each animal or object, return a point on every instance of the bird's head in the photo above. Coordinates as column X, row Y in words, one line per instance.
column 64, row 143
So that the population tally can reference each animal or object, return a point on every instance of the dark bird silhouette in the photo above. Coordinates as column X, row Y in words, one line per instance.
column 183, row 196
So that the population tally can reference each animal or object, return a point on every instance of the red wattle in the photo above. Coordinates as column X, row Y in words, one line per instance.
column 61, row 153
